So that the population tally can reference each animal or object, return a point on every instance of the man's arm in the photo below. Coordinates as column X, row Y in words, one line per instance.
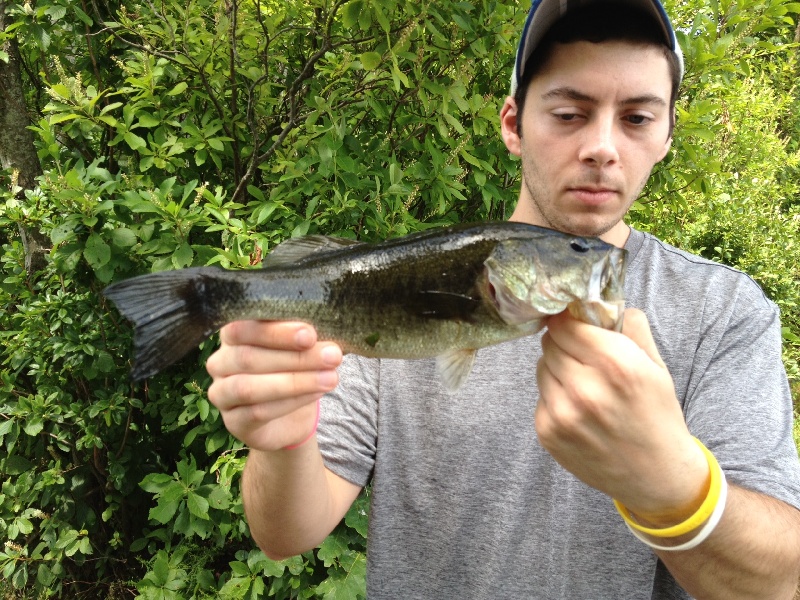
column 292, row 502
column 753, row 553
column 608, row 413
column 267, row 380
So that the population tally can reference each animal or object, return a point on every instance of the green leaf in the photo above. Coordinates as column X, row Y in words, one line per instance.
column 182, row 257
column 301, row 229
column 348, row 582
column 216, row 144
column 470, row 159
column 370, row 60
column 44, row 575
column 96, row 252
column 381, row 17
column 148, row 120
column 175, row 491
column 55, row 12
column 134, row 141
column 61, row 118
column 395, row 173
column 351, row 12
column 163, row 512
column 332, row 548
column 178, row 89
column 123, row 237
column 20, row 578
column 156, row 482
column 161, row 568
column 62, row 232
column 198, row 505
column 61, row 90
column 24, row 525
column 33, row 426
column 85, row 546
column 358, row 516
column 87, row 20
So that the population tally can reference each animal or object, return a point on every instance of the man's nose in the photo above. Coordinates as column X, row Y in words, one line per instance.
column 599, row 146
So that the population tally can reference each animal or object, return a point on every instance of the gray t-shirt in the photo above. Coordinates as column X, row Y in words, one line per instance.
column 466, row 504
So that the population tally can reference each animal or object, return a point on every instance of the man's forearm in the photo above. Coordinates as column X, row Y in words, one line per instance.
column 753, row 553
column 291, row 501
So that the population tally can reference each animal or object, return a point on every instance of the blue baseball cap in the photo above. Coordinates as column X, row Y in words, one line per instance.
column 544, row 14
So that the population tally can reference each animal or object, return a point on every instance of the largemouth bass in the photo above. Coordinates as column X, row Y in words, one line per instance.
column 441, row 293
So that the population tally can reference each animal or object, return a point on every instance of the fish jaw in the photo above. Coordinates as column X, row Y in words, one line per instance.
column 604, row 305
column 528, row 283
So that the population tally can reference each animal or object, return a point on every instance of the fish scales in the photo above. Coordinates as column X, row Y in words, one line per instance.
column 444, row 293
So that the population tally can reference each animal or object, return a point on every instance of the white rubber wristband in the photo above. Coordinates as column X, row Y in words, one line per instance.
column 701, row 536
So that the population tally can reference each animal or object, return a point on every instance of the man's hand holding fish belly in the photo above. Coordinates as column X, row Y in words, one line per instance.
column 589, row 120
column 274, row 408
column 268, row 379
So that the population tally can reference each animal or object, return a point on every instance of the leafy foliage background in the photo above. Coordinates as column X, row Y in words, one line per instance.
column 204, row 132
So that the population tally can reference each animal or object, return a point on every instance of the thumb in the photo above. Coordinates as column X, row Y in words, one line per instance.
column 636, row 327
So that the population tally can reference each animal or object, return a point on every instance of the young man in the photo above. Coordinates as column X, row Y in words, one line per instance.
column 504, row 489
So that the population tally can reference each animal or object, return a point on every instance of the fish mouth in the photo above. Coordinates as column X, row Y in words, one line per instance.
column 604, row 304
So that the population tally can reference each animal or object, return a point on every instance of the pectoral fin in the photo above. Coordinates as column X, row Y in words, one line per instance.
column 454, row 367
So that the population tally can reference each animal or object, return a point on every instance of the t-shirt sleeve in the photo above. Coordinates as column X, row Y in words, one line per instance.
column 348, row 424
column 738, row 401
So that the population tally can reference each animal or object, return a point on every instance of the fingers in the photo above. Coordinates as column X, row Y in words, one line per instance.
column 608, row 412
column 280, row 335
column 283, row 391
column 636, row 327
column 570, row 395
column 601, row 348
column 267, row 377
column 273, row 425
column 259, row 347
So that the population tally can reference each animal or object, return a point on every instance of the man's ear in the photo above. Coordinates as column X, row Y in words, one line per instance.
column 665, row 149
column 508, row 126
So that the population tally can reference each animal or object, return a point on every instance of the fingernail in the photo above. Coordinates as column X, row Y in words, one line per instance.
column 303, row 337
column 331, row 356
column 327, row 379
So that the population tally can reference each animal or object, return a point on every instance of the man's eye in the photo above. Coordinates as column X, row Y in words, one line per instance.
column 637, row 119
column 566, row 116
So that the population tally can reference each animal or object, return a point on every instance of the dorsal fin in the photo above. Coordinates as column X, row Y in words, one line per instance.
column 291, row 251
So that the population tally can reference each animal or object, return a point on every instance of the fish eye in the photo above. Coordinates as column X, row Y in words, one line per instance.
column 579, row 245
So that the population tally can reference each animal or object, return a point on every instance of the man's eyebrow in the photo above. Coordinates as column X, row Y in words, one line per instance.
column 645, row 99
column 569, row 93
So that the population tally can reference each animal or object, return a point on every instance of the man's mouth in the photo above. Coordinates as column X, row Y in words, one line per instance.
column 589, row 194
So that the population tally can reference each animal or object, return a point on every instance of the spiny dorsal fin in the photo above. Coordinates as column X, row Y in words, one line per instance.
column 293, row 250
column 454, row 367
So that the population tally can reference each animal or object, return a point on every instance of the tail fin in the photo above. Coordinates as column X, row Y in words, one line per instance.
column 170, row 314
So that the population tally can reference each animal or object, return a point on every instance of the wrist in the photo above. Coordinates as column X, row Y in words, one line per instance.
column 678, row 492
column 693, row 530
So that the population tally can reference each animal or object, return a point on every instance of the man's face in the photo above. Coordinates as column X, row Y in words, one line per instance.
column 596, row 120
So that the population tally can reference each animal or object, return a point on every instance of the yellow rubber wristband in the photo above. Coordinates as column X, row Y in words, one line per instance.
column 698, row 518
